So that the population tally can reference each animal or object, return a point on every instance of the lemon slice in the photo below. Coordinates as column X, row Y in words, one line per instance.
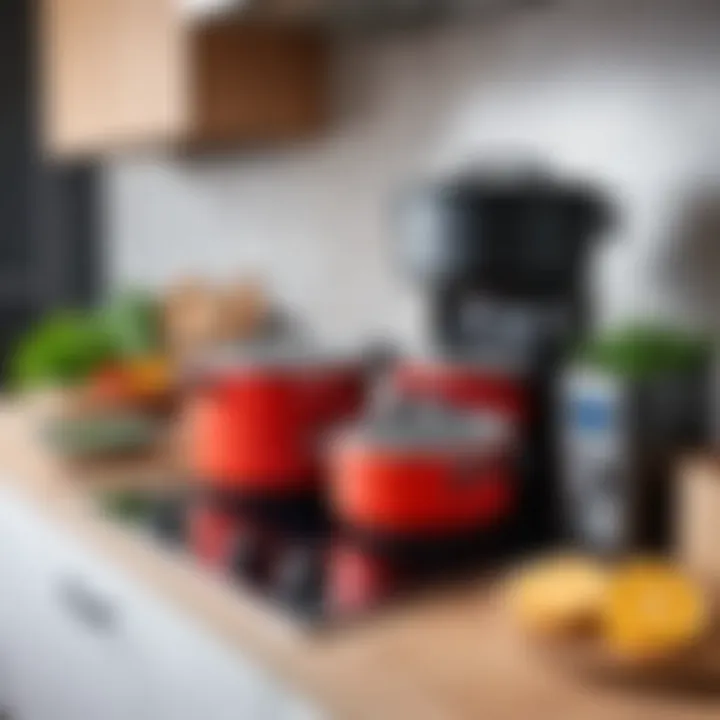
column 559, row 596
column 653, row 609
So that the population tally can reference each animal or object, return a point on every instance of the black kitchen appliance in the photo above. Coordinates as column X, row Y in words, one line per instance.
column 503, row 258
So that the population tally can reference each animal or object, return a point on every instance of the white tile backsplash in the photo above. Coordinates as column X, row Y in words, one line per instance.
column 623, row 90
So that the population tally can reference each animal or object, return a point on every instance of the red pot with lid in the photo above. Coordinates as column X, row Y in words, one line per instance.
column 420, row 478
column 255, row 420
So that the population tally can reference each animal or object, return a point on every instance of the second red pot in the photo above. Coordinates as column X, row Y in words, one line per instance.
column 405, row 484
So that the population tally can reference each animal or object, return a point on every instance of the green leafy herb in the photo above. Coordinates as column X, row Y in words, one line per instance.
column 68, row 346
column 638, row 351
column 61, row 350
column 132, row 319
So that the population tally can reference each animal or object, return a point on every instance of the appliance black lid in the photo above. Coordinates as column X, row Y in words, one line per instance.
column 524, row 233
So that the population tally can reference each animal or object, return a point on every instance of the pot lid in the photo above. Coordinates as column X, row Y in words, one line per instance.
column 504, row 185
column 292, row 354
column 492, row 361
column 425, row 426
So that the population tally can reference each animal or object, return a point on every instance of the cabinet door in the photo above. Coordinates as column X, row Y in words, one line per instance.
column 14, row 626
column 69, row 668
column 195, row 677
column 64, row 652
column 114, row 74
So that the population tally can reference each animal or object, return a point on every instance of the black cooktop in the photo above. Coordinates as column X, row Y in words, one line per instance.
column 294, row 558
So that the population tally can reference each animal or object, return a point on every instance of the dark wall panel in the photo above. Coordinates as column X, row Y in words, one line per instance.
column 49, row 227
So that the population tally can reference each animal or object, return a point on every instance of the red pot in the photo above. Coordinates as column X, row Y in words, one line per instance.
column 258, row 426
column 418, row 487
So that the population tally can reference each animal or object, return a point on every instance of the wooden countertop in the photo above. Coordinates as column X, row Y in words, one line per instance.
column 444, row 657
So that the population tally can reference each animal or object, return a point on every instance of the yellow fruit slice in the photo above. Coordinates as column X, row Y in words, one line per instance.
column 559, row 596
column 652, row 610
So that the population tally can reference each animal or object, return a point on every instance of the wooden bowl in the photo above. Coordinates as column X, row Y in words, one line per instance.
column 692, row 669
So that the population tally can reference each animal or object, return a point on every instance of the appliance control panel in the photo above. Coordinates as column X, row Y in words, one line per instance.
column 595, row 460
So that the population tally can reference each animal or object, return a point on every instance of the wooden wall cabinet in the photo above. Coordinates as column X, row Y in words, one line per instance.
column 124, row 74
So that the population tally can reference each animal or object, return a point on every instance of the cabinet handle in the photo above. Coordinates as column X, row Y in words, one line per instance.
column 88, row 607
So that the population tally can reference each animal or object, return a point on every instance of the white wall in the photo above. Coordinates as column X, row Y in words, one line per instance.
column 624, row 90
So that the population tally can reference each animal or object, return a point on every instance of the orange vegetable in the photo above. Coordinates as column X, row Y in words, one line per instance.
column 149, row 376
column 109, row 386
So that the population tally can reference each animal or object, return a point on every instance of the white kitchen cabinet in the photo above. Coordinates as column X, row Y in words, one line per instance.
column 62, row 660
column 80, row 641
column 13, row 597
